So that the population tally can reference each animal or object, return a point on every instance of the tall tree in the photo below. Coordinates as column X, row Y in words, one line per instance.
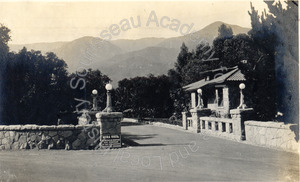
column 4, row 38
column 225, row 32
column 276, row 32
column 182, row 59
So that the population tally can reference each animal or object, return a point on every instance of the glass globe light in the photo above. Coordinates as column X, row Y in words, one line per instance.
column 242, row 86
column 95, row 92
column 108, row 87
column 199, row 91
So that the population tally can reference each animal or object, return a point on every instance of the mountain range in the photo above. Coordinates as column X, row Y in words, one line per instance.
column 125, row 58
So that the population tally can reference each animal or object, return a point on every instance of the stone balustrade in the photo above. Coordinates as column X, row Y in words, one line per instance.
column 223, row 127
column 232, row 128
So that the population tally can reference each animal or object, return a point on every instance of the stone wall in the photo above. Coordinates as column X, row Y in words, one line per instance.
column 67, row 137
column 272, row 134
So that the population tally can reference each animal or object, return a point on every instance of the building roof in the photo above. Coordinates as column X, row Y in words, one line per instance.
column 237, row 76
column 194, row 84
column 233, row 75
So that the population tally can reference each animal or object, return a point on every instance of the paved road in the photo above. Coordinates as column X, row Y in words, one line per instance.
column 158, row 154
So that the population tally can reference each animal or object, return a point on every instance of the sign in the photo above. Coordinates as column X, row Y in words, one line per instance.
column 113, row 141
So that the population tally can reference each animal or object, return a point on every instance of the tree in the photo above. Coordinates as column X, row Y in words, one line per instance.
column 145, row 96
column 225, row 32
column 35, row 88
column 275, row 34
column 182, row 59
column 93, row 79
column 4, row 38
column 284, row 22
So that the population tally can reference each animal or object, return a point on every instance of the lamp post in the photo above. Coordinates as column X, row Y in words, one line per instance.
column 94, row 95
column 242, row 105
column 200, row 101
column 108, row 108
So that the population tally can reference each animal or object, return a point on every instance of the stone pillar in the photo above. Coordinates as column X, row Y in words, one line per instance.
column 196, row 114
column 110, row 129
column 239, row 116
column 195, row 120
column 184, row 120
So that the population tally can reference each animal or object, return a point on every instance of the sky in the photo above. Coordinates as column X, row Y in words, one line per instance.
column 51, row 21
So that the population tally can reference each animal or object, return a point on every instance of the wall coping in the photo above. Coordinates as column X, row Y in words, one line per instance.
column 109, row 115
column 225, row 120
column 43, row 127
column 239, row 111
column 195, row 109
column 269, row 124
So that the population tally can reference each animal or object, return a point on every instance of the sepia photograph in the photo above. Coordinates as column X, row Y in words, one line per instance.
column 155, row 91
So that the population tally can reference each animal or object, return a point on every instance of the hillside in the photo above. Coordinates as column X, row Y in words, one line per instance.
column 128, row 45
column 155, row 60
column 208, row 33
column 43, row 47
column 85, row 48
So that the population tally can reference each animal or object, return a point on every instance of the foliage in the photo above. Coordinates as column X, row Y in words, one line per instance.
column 35, row 88
column 145, row 96
column 94, row 79
column 275, row 35
column 4, row 38
column 282, row 23
column 225, row 32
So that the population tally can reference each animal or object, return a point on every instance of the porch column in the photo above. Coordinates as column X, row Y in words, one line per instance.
column 226, row 100
column 193, row 99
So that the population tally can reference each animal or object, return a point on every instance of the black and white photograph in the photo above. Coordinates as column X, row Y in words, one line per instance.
column 154, row 91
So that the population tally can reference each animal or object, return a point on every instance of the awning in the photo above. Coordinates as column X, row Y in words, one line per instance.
column 234, row 75
column 195, row 84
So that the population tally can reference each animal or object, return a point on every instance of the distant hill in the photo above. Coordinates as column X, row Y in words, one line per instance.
column 43, row 47
column 208, row 33
column 133, row 45
column 78, row 50
column 155, row 60
column 128, row 58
